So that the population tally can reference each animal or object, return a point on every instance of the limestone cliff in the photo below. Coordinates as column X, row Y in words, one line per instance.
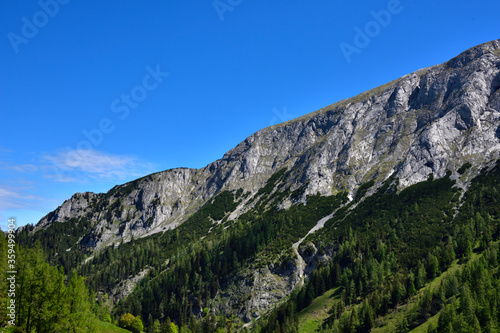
column 426, row 122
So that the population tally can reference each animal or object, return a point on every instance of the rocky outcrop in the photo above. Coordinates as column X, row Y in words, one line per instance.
column 427, row 122
column 431, row 121
column 256, row 290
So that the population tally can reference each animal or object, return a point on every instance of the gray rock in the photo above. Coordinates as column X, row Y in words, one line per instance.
column 427, row 122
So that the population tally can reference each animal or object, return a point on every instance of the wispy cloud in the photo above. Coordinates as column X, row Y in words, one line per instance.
column 17, row 198
column 23, row 168
column 75, row 165
column 5, row 150
column 59, row 177
column 31, row 189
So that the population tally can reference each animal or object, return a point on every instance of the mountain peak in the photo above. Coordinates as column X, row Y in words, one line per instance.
column 247, row 216
column 428, row 122
column 468, row 56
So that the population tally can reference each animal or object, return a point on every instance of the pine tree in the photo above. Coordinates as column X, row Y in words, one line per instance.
column 403, row 325
column 411, row 285
column 432, row 266
column 368, row 319
column 421, row 275
column 45, row 303
column 399, row 292
column 79, row 303
column 446, row 319
column 353, row 320
column 466, row 307
column 155, row 328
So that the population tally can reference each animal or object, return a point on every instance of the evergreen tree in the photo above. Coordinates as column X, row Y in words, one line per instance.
column 446, row 319
column 421, row 275
column 368, row 319
column 155, row 328
column 79, row 303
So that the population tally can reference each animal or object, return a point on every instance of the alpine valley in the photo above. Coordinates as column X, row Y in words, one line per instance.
column 379, row 213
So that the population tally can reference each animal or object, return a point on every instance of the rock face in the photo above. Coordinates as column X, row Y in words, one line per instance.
column 427, row 122
column 432, row 121
column 253, row 292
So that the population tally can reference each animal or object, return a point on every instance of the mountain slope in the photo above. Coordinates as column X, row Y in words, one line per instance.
column 426, row 122
column 404, row 259
column 276, row 185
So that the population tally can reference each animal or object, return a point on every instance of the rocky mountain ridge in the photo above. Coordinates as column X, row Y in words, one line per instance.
column 438, row 122
column 426, row 122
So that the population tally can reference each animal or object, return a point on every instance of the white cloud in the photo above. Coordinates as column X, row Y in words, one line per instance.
column 77, row 165
column 24, row 168
column 5, row 150
column 60, row 177
column 30, row 190
column 17, row 198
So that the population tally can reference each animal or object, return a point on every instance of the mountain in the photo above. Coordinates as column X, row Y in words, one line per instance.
column 430, row 121
column 252, row 209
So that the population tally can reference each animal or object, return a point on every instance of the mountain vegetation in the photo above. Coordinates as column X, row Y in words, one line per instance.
column 391, row 249
column 376, row 214
column 48, row 300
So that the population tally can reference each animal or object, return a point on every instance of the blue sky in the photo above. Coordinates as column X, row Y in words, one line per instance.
column 98, row 93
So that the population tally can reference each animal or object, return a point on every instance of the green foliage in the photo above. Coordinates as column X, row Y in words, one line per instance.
column 126, row 321
column 391, row 245
column 114, row 264
column 103, row 327
column 196, row 276
column 413, row 220
column 46, row 300
column 137, row 325
column 131, row 323
column 271, row 182
column 362, row 190
column 56, row 239
column 172, row 328
column 384, row 254
column 464, row 168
